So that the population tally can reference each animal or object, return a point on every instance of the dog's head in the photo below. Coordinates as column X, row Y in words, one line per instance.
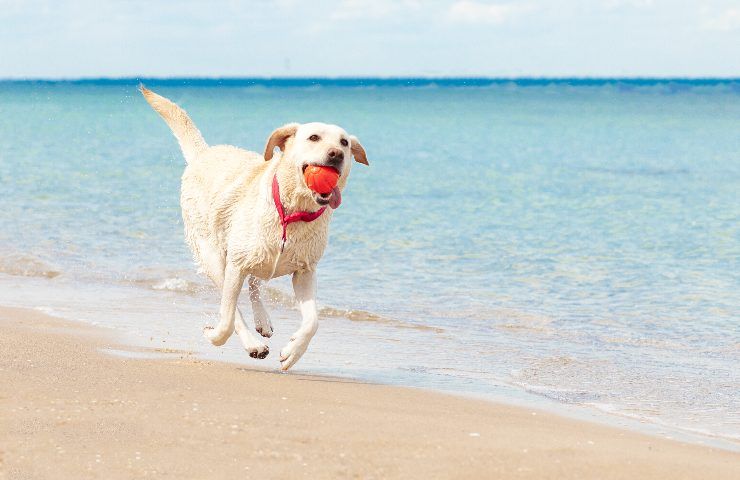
column 316, row 144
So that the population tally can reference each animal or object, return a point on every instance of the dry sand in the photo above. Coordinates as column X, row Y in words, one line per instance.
column 68, row 411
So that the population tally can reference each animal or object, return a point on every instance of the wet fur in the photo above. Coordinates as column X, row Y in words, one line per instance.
column 232, row 226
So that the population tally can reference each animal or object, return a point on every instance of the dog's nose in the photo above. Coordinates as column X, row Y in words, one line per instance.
column 335, row 154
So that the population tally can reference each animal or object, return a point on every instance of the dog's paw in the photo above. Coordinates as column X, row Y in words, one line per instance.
column 258, row 352
column 292, row 352
column 264, row 330
column 216, row 336
column 254, row 347
column 262, row 322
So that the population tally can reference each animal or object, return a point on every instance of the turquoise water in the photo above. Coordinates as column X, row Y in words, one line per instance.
column 572, row 241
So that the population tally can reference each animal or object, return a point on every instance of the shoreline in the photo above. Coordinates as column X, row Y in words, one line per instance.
column 167, row 332
column 71, row 410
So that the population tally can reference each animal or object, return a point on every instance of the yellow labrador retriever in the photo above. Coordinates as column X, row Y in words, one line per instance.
column 252, row 217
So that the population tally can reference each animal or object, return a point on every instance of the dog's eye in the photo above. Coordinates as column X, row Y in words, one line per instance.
column 344, row 142
column 314, row 138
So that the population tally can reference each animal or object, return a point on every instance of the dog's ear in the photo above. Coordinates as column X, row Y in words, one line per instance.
column 278, row 139
column 357, row 151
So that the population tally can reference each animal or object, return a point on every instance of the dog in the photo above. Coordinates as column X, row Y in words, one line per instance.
column 252, row 217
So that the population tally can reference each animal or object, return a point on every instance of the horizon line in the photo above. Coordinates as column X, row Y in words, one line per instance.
column 360, row 78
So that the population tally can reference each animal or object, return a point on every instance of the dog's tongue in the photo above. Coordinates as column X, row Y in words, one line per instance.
column 336, row 198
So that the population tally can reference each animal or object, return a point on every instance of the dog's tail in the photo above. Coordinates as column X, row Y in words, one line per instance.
column 187, row 134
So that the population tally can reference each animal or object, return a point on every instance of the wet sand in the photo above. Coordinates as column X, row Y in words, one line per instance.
column 68, row 411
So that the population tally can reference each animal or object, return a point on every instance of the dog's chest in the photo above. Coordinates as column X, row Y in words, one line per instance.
column 304, row 247
column 294, row 260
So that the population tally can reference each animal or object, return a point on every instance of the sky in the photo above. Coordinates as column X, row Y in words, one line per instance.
column 349, row 38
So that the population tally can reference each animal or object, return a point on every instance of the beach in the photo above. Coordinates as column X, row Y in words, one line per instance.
column 70, row 410
column 531, row 272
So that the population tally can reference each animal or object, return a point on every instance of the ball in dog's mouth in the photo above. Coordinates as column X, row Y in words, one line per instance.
column 322, row 180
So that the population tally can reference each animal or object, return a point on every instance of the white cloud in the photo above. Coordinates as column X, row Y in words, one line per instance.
column 724, row 22
column 467, row 11
column 610, row 4
column 350, row 9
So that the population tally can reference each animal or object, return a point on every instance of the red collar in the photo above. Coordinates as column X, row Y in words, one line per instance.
column 293, row 217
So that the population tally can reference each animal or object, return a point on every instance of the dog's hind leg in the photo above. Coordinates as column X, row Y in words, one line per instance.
column 262, row 322
column 254, row 347
column 214, row 266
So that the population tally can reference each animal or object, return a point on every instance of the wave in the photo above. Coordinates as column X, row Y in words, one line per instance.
column 174, row 282
column 279, row 298
column 27, row 266
column 364, row 316
column 169, row 282
column 275, row 296
column 177, row 285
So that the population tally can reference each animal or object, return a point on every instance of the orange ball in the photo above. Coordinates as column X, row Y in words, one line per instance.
column 321, row 179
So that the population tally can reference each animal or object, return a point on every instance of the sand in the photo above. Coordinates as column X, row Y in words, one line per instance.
column 69, row 411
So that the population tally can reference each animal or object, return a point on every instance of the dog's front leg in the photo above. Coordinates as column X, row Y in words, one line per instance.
column 304, row 286
column 233, row 281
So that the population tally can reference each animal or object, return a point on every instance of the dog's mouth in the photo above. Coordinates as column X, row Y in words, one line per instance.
column 333, row 198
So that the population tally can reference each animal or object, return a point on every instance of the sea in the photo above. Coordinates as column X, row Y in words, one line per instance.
column 566, row 244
